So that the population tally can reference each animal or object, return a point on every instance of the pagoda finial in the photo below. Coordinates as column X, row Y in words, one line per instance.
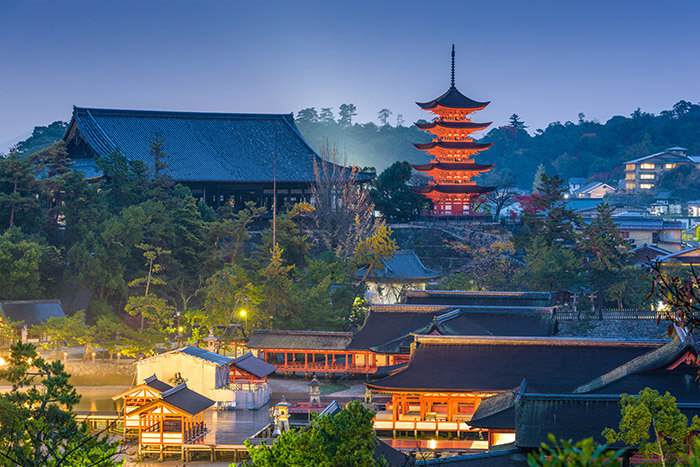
column 453, row 66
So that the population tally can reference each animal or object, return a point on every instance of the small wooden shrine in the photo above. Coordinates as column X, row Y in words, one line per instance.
column 136, row 397
column 169, row 422
column 451, row 189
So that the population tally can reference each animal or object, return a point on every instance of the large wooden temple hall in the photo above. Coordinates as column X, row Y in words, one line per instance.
column 224, row 158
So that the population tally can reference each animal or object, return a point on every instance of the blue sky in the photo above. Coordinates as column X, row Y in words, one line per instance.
column 545, row 60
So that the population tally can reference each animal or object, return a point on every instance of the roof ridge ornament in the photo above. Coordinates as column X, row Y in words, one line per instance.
column 452, row 82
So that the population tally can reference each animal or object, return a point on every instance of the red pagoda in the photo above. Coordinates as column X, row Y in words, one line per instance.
column 452, row 168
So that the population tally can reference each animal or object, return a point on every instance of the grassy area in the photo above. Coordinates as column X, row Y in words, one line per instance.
column 330, row 388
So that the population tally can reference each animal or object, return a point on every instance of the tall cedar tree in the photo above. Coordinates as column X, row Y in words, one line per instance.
column 553, row 221
column 18, row 185
column 604, row 251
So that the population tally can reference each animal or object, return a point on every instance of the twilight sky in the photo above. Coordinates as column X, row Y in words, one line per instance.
column 545, row 60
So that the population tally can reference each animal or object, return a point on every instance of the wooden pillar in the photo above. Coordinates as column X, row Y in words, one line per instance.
column 285, row 360
column 306, row 360
column 347, row 357
column 325, row 356
column 449, row 408
column 367, row 356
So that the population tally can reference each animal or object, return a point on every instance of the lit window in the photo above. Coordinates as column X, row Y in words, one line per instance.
column 647, row 166
column 629, row 177
column 669, row 166
column 646, row 176
column 629, row 167
column 646, row 186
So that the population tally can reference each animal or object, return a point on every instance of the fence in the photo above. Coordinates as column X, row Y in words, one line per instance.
column 608, row 313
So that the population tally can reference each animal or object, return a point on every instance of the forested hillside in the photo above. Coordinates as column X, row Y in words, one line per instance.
column 585, row 148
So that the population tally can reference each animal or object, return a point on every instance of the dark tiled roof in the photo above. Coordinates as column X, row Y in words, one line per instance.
column 496, row 412
column 157, row 384
column 645, row 253
column 454, row 100
column 464, row 297
column 447, row 189
column 453, row 166
column 495, row 458
column 389, row 328
column 186, row 399
column 254, row 365
column 200, row 146
column 404, row 264
column 206, row 355
column 501, row 363
column 569, row 416
column 307, row 340
column 31, row 312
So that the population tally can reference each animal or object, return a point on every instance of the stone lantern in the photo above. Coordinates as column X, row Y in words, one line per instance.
column 315, row 391
column 211, row 341
column 281, row 415
column 368, row 395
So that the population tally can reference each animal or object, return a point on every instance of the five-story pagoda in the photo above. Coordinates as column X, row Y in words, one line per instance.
column 452, row 168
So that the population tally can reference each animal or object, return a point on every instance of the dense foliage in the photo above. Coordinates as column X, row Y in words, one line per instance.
column 585, row 453
column 154, row 259
column 37, row 426
column 346, row 438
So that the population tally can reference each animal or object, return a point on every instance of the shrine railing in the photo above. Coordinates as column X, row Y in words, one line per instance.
column 608, row 313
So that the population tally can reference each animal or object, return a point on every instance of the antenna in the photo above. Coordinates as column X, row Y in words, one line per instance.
column 453, row 66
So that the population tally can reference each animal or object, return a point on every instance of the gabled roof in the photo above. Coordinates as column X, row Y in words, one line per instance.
column 301, row 340
column 152, row 383
column 592, row 186
column 182, row 398
column 673, row 154
column 404, row 264
column 495, row 364
column 229, row 147
column 254, row 365
column 688, row 256
column 646, row 253
column 474, row 298
column 390, row 328
column 497, row 412
column 31, row 312
column 513, row 457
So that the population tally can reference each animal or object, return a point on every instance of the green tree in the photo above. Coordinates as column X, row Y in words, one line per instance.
column 371, row 251
column 37, row 425
column 346, row 438
column 383, row 116
column 585, row 453
column 150, row 306
column 326, row 116
column 553, row 220
column 161, row 172
column 393, row 197
column 649, row 413
column 18, row 185
column 516, row 122
column 604, row 251
column 491, row 267
column 346, row 113
column 42, row 137
column 28, row 266
column 307, row 115
column 551, row 268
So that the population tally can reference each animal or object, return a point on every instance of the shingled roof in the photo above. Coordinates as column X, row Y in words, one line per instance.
column 468, row 297
column 495, row 364
column 390, row 328
column 404, row 264
column 224, row 147
column 300, row 340
column 254, row 365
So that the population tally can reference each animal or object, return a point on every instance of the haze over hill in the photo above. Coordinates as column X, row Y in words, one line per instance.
column 585, row 148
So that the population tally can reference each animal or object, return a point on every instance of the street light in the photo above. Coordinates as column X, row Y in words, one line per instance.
column 244, row 315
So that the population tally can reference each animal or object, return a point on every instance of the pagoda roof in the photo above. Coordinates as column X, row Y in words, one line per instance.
column 452, row 166
column 453, row 99
column 454, row 189
column 214, row 147
column 453, row 125
column 488, row 363
column 453, row 145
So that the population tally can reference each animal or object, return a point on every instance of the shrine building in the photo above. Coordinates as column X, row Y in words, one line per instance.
column 224, row 158
column 452, row 168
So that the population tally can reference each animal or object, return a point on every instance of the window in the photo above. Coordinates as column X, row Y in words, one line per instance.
column 625, row 234
column 630, row 167
column 669, row 166
column 629, row 176
column 647, row 166
column 646, row 186
column 646, row 176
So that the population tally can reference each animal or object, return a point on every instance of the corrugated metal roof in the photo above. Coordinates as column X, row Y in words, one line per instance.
column 206, row 355
column 202, row 146
column 31, row 312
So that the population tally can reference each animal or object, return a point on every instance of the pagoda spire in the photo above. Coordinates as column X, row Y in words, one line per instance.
column 452, row 82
